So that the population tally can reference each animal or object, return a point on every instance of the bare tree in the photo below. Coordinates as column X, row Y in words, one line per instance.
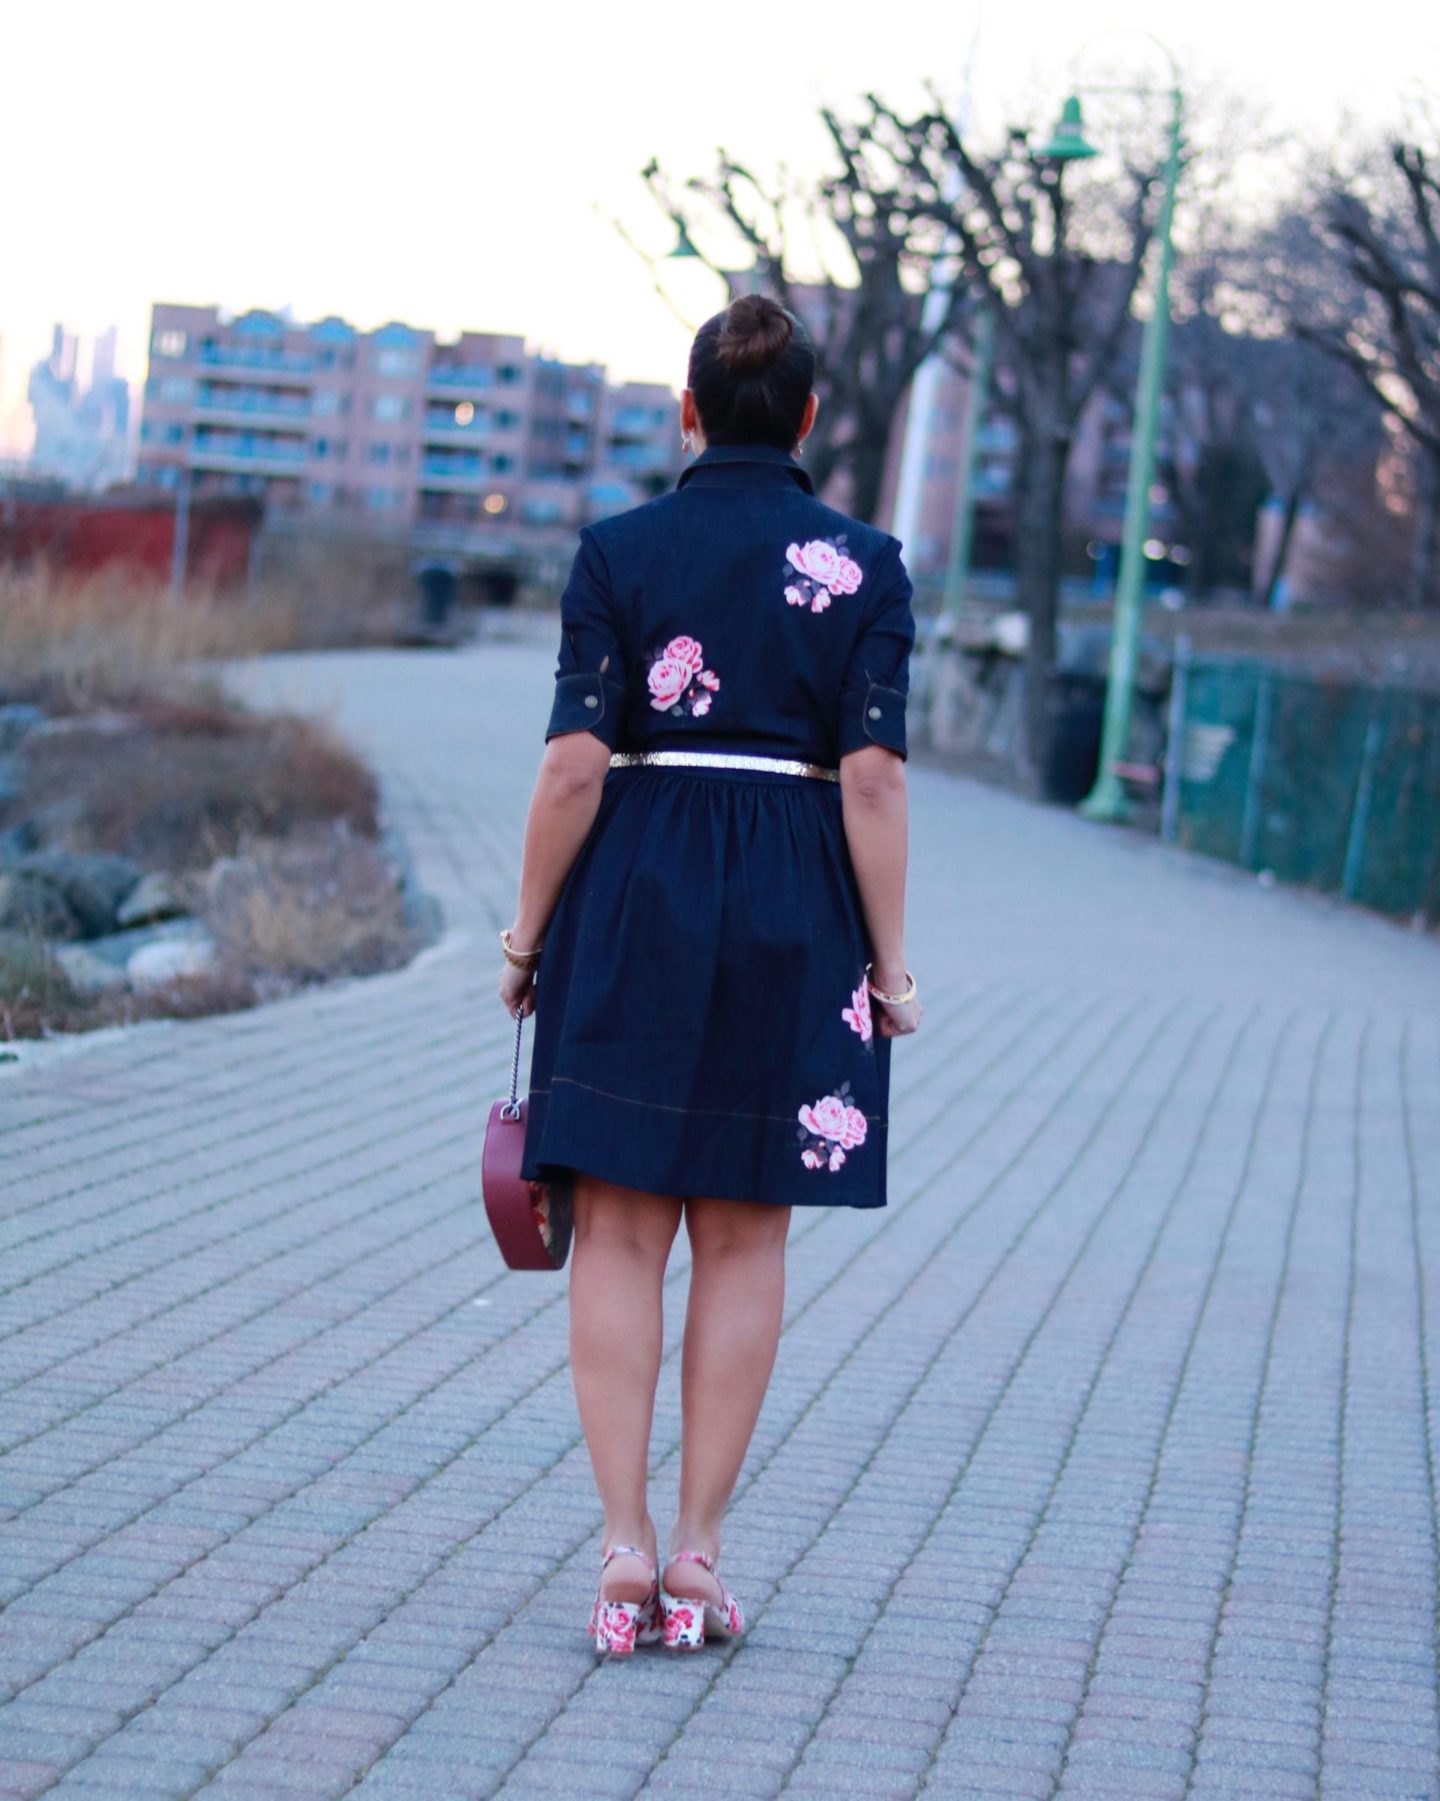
column 1382, row 221
column 1058, row 274
column 869, row 317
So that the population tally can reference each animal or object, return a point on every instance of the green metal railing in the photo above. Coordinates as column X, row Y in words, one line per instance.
column 1333, row 786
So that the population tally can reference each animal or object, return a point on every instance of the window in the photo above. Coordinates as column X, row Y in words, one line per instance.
column 170, row 342
column 177, row 389
column 377, row 453
column 331, row 400
column 506, row 420
column 500, row 464
column 508, row 372
column 390, row 407
column 397, row 362
column 320, row 492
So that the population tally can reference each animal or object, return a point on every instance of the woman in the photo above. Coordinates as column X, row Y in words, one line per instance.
column 710, row 932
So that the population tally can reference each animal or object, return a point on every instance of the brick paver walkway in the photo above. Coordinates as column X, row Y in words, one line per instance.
column 1099, row 1464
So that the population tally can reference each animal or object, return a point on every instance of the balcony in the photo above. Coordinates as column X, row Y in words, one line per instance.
column 256, row 356
column 476, row 377
column 242, row 451
column 442, row 427
column 252, row 404
column 458, row 469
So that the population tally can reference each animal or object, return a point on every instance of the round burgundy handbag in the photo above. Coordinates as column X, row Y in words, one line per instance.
column 532, row 1221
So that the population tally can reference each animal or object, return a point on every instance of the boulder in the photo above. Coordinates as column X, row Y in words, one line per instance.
column 87, row 972
column 16, row 840
column 166, row 959
column 92, row 884
column 153, row 897
column 30, row 904
column 17, row 719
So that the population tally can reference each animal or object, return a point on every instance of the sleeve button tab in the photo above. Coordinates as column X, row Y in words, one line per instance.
column 592, row 700
column 874, row 712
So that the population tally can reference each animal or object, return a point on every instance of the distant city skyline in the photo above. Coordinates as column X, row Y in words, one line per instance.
column 465, row 169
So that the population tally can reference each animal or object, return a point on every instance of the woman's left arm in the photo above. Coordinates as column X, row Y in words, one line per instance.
column 562, row 811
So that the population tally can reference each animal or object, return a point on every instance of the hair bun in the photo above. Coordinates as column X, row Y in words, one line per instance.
column 754, row 334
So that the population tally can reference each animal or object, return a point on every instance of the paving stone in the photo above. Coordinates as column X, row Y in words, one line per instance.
column 1057, row 1489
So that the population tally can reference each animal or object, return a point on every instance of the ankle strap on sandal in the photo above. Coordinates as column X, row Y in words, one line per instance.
column 627, row 1551
column 701, row 1557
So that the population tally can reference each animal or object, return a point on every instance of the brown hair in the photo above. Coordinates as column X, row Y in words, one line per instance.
column 752, row 368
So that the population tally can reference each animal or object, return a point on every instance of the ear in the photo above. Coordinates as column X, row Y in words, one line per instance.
column 689, row 412
column 807, row 418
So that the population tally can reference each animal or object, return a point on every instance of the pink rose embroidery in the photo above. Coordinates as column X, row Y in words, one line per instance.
column 677, row 678
column 829, row 1128
column 817, row 570
column 857, row 1014
column 668, row 679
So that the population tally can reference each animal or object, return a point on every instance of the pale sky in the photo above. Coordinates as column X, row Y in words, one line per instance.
column 456, row 165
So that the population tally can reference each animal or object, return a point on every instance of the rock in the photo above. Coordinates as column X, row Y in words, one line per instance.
column 169, row 958
column 88, row 973
column 30, row 904
column 153, row 897
column 92, row 885
column 17, row 719
column 16, row 840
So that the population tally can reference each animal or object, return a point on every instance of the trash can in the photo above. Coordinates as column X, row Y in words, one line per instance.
column 437, row 582
column 1077, row 712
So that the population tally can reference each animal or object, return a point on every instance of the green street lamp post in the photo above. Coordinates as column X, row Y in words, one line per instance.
column 1107, row 799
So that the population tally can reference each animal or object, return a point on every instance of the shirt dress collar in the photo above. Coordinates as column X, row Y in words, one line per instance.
column 745, row 466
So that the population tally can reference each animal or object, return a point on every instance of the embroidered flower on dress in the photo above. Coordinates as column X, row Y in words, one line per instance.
column 822, row 569
column 677, row 678
column 857, row 1014
column 829, row 1128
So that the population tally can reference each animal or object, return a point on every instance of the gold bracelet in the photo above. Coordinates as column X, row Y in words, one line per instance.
column 891, row 1000
column 521, row 959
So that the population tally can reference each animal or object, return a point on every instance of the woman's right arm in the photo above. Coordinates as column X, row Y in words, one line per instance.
column 874, row 805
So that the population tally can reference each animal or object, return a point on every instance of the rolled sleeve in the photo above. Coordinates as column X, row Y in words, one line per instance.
column 586, row 702
column 590, row 673
column 877, row 680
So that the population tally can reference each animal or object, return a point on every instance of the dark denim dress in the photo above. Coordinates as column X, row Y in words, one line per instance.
column 702, row 1021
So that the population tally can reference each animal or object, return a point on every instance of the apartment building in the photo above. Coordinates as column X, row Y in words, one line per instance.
column 463, row 441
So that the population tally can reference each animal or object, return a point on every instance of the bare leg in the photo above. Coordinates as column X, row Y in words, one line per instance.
column 622, row 1242
column 732, row 1330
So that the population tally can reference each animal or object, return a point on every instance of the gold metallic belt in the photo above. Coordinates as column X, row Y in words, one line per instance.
column 716, row 759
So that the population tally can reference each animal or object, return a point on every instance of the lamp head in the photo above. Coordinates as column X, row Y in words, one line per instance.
column 1068, row 144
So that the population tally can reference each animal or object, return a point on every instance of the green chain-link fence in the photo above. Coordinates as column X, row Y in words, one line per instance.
column 1332, row 786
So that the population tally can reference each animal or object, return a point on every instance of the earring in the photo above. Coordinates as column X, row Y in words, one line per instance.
column 685, row 443
column 800, row 448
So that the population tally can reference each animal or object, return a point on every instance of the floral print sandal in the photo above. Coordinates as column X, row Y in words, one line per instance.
column 686, row 1619
column 618, row 1626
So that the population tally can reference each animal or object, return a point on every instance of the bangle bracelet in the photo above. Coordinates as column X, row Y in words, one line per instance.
column 893, row 1000
column 521, row 959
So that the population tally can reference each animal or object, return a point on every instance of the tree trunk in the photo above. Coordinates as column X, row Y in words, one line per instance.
column 1039, row 512
column 867, row 477
column 1424, row 586
column 1276, row 571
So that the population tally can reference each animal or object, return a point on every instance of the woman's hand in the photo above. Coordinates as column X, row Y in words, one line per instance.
column 517, row 990
column 893, row 1019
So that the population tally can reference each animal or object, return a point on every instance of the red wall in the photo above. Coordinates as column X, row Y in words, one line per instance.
column 79, row 537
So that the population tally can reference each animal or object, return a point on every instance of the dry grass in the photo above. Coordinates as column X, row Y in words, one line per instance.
column 75, row 645
column 153, row 759
column 318, row 903
column 189, row 780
